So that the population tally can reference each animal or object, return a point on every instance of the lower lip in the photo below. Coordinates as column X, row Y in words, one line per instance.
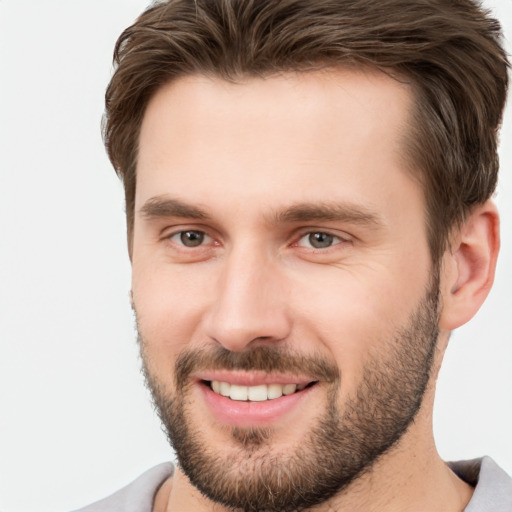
column 238, row 413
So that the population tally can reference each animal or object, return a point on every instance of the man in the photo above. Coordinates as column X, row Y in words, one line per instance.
column 308, row 202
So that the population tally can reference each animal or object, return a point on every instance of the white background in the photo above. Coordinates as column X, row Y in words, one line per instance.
column 75, row 419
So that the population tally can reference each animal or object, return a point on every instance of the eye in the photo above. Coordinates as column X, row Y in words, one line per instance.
column 190, row 238
column 318, row 240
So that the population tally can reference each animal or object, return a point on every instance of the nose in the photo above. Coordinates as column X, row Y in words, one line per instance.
column 249, row 305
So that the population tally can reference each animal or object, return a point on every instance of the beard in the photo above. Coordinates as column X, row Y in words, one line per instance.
column 344, row 442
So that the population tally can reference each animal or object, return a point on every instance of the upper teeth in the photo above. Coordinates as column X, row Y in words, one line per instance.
column 254, row 393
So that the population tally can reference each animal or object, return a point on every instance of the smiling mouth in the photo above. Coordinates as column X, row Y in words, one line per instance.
column 260, row 393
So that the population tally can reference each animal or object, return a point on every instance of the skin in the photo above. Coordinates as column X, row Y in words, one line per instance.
column 245, row 153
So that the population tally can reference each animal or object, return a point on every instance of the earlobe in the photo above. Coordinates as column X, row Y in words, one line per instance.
column 468, row 269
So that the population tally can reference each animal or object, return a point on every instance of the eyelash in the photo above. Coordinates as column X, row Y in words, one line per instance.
column 172, row 237
column 332, row 239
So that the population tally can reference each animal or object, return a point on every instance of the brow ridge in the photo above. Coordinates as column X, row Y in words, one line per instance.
column 163, row 206
column 345, row 212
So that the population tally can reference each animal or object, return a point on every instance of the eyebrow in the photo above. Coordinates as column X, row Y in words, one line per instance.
column 341, row 212
column 160, row 206
column 163, row 206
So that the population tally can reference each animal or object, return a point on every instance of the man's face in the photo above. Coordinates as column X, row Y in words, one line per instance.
column 280, row 257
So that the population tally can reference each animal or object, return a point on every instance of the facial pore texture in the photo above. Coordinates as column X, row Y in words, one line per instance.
column 345, row 441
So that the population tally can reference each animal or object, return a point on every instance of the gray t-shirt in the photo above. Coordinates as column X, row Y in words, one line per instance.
column 493, row 488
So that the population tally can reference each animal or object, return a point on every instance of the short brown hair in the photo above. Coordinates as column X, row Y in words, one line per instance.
column 448, row 50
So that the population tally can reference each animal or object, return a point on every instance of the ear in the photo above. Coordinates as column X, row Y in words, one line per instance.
column 468, row 268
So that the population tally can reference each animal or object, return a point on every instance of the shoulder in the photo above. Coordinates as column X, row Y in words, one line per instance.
column 493, row 487
column 137, row 496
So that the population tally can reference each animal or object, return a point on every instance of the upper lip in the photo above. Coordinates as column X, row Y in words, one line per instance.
column 243, row 378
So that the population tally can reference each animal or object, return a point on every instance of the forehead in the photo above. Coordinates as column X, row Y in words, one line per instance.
column 290, row 136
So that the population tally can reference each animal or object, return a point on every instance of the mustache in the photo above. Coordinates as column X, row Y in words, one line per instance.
column 263, row 358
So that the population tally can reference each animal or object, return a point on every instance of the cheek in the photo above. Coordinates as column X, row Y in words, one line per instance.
column 346, row 329
column 169, row 307
column 352, row 316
